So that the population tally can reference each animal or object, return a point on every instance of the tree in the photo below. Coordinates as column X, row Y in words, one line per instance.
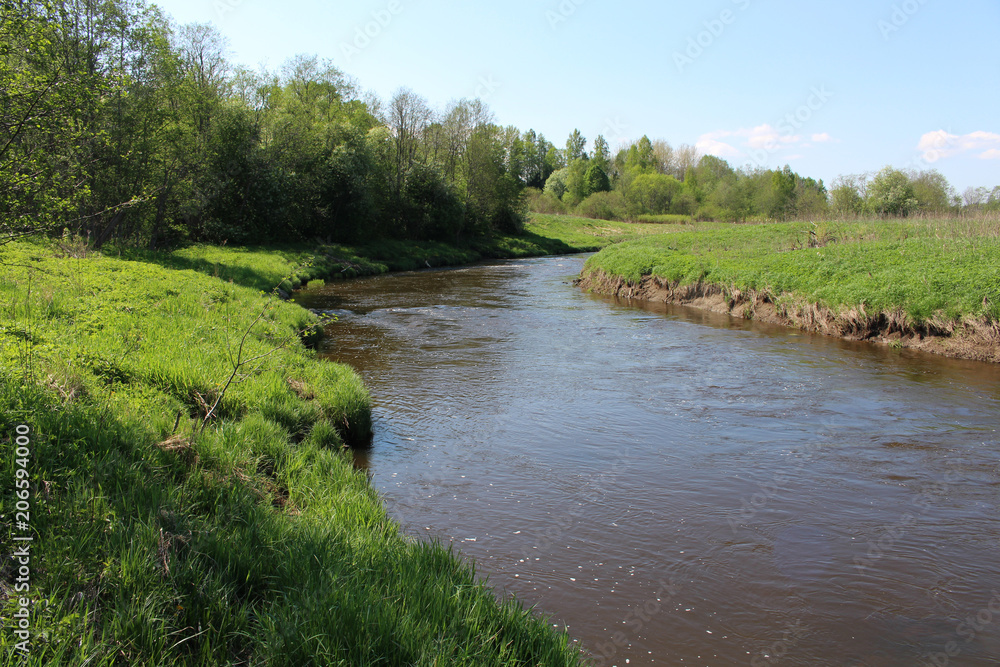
column 596, row 179
column 663, row 158
column 407, row 118
column 931, row 190
column 47, row 107
column 576, row 182
column 975, row 197
column 890, row 194
column 556, row 183
column 602, row 154
column 846, row 197
column 782, row 200
column 652, row 193
column 574, row 146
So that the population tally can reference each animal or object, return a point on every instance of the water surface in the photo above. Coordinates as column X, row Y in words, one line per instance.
column 679, row 487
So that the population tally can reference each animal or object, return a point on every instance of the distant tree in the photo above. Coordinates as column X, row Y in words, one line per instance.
column 685, row 156
column 596, row 179
column 993, row 203
column 975, row 197
column 781, row 200
column 575, row 145
column 640, row 158
column 556, row 183
column 711, row 170
column 408, row 117
column 576, row 182
column 602, row 154
column 652, row 193
column 811, row 198
column 890, row 194
column 664, row 159
column 932, row 191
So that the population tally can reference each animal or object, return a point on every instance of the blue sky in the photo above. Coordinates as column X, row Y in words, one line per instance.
column 828, row 87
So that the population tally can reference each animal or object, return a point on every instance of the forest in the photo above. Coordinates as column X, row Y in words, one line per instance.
column 119, row 125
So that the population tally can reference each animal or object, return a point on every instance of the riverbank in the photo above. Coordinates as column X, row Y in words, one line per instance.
column 294, row 266
column 189, row 498
column 931, row 285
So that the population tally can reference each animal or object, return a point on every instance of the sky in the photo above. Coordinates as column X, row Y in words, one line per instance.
column 829, row 88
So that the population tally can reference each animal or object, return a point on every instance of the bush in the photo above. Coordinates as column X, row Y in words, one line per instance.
column 602, row 206
column 543, row 202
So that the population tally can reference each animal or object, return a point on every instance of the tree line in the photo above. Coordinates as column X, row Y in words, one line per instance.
column 119, row 125
column 646, row 179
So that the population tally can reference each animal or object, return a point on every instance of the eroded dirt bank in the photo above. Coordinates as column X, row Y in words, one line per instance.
column 976, row 339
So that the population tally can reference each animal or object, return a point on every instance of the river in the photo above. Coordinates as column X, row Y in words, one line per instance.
column 679, row 487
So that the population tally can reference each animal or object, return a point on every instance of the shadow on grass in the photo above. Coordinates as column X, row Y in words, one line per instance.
column 246, row 275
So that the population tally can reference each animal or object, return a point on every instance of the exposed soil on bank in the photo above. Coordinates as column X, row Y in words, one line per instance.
column 977, row 339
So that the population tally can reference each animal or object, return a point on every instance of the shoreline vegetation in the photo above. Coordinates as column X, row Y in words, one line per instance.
column 927, row 284
column 191, row 499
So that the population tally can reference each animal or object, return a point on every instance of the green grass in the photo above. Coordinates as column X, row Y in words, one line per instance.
column 293, row 266
column 585, row 234
column 252, row 541
column 666, row 219
column 926, row 268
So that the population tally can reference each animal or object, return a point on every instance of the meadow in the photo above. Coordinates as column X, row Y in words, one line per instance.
column 930, row 274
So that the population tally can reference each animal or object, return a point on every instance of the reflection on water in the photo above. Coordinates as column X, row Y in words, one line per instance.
column 679, row 487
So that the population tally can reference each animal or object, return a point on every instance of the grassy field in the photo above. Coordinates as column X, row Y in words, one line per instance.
column 162, row 538
column 942, row 270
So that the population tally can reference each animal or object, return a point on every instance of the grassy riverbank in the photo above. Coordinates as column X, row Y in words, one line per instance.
column 160, row 539
column 932, row 284
column 293, row 266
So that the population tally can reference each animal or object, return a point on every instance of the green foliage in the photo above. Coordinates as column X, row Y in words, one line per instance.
column 576, row 182
column 603, row 206
column 890, row 194
column 538, row 201
column 44, row 83
column 556, row 184
column 652, row 194
column 596, row 179
column 575, row 145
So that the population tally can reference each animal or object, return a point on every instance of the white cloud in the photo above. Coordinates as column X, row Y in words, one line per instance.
column 756, row 143
column 715, row 147
column 940, row 144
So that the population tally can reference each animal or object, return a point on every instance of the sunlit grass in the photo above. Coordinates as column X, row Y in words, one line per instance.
column 926, row 268
column 251, row 540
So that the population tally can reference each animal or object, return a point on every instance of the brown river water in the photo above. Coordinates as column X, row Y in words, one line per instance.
column 678, row 487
